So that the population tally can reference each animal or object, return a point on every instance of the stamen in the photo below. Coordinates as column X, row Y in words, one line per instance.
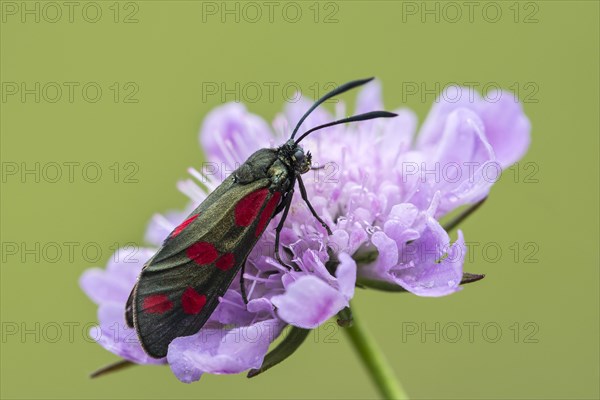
column 163, row 222
column 234, row 153
column 275, row 264
column 252, row 287
column 224, row 300
column 228, row 157
column 255, row 278
column 205, row 180
column 190, row 189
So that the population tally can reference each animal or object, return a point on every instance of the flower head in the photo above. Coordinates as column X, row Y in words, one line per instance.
column 382, row 193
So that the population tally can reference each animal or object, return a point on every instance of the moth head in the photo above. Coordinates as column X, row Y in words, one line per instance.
column 301, row 161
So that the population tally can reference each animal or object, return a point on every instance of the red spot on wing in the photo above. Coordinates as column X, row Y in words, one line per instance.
column 183, row 225
column 267, row 213
column 157, row 304
column 202, row 253
column 225, row 262
column 192, row 302
column 248, row 207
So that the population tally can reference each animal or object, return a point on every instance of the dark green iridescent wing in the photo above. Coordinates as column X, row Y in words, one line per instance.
column 179, row 287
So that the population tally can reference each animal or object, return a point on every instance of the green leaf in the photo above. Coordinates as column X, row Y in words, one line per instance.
column 391, row 287
column 286, row 348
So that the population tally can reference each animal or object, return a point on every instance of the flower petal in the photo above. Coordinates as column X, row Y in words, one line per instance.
column 506, row 126
column 308, row 302
column 161, row 225
column 296, row 109
column 218, row 351
column 369, row 98
column 338, row 242
column 115, row 336
column 462, row 164
column 398, row 132
column 230, row 134
column 231, row 309
column 114, row 283
column 346, row 275
column 387, row 257
column 450, row 99
column 427, row 272
column 102, row 287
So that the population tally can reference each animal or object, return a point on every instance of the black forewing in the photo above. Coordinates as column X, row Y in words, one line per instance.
column 174, row 283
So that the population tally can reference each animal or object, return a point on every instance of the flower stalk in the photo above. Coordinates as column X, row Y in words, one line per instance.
column 374, row 361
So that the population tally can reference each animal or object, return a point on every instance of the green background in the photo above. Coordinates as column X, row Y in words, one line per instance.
column 550, row 53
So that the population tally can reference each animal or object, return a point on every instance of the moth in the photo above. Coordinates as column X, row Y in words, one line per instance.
column 179, row 287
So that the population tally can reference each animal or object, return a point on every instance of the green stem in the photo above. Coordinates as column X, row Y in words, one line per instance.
column 374, row 361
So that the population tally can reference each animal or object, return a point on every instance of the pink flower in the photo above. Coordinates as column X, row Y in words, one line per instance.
column 380, row 192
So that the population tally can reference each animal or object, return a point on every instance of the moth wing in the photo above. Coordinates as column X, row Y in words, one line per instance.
column 180, row 286
column 181, row 237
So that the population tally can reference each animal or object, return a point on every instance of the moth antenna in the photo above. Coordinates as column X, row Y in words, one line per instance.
column 354, row 118
column 339, row 90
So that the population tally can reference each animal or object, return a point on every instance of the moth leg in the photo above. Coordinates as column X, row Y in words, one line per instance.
column 283, row 204
column 288, row 203
column 310, row 207
column 242, row 286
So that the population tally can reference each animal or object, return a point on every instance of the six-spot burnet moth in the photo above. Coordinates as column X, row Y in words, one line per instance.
column 179, row 287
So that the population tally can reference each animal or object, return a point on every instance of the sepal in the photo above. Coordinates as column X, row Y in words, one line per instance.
column 286, row 348
column 391, row 287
